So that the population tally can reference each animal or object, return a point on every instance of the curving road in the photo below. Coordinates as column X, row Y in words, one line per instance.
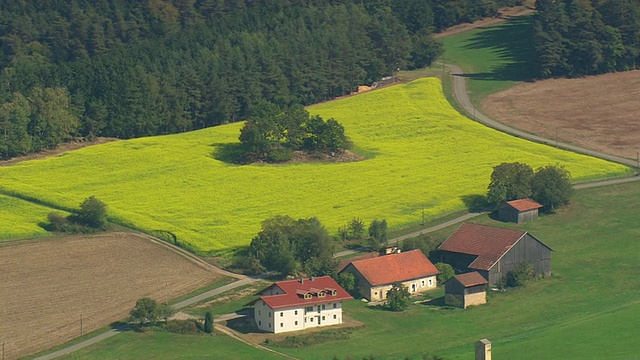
column 459, row 85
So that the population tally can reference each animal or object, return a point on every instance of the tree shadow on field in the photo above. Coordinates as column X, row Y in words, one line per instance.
column 475, row 202
column 513, row 42
column 230, row 153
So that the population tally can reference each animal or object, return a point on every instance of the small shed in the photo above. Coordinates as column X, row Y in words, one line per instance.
column 466, row 290
column 519, row 211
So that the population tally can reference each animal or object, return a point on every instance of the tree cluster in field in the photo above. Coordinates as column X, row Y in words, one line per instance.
column 354, row 233
column 577, row 38
column 91, row 217
column 549, row 185
column 137, row 68
column 273, row 133
column 149, row 312
column 287, row 246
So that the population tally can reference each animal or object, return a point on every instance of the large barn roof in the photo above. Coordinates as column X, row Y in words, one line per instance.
column 488, row 243
column 319, row 290
column 389, row 269
column 524, row 204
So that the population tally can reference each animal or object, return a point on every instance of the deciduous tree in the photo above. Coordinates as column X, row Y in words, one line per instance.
column 551, row 187
column 398, row 298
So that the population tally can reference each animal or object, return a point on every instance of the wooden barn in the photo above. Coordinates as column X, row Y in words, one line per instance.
column 519, row 211
column 466, row 290
column 493, row 252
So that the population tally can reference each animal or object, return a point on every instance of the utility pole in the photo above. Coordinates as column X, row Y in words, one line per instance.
column 422, row 223
column 81, row 326
column 638, row 159
column 166, row 294
column 3, row 350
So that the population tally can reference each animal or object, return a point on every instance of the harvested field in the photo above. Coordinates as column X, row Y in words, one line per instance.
column 598, row 112
column 47, row 285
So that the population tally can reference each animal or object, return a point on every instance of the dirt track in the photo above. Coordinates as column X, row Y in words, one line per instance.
column 97, row 277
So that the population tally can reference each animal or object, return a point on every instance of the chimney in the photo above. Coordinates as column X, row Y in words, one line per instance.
column 313, row 278
column 302, row 281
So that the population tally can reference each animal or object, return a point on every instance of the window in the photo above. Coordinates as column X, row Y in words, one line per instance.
column 258, row 312
column 430, row 282
column 281, row 324
column 269, row 313
column 321, row 294
column 308, row 296
column 259, row 323
column 269, row 325
column 323, row 307
column 335, row 305
column 334, row 292
column 281, row 313
column 295, row 312
column 422, row 283
column 322, row 318
column 296, row 323
column 309, row 308
column 335, row 316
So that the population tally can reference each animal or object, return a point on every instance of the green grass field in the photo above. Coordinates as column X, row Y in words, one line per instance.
column 421, row 154
column 586, row 310
column 20, row 219
column 494, row 58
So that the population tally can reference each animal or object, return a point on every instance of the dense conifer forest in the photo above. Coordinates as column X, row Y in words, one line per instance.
column 128, row 68
column 575, row 38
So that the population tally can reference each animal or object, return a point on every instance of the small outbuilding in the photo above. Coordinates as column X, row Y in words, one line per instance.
column 519, row 211
column 465, row 290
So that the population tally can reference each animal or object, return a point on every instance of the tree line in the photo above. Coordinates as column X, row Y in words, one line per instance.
column 127, row 68
column 576, row 38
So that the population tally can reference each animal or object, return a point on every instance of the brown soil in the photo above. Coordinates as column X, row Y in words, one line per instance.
column 48, row 285
column 62, row 148
column 599, row 112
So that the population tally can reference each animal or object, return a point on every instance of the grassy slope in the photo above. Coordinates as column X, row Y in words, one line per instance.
column 20, row 219
column 423, row 153
column 494, row 58
column 584, row 311
column 162, row 345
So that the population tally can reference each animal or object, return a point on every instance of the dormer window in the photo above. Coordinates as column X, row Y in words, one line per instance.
column 334, row 292
column 308, row 296
column 321, row 294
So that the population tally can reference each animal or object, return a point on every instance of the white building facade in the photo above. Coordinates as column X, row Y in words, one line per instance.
column 300, row 304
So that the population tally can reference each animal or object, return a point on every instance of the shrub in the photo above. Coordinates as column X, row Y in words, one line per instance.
column 208, row 322
column 446, row 272
column 184, row 327
column 398, row 298
column 520, row 275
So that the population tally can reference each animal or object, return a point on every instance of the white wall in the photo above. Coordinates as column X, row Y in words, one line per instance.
column 293, row 319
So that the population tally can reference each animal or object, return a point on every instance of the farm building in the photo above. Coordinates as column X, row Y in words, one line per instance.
column 299, row 304
column 519, row 211
column 465, row 290
column 493, row 252
column 376, row 276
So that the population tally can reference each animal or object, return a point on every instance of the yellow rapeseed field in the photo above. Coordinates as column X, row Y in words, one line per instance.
column 19, row 219
column 421, row 153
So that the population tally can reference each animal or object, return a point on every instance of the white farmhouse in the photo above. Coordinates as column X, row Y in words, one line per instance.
column 300, row 304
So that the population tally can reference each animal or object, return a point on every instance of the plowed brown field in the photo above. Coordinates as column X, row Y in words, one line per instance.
column 600, row 112
column 46, row 286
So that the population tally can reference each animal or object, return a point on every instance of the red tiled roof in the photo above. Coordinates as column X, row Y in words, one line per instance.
column 524, row 204
column 487, row 242
column 294, row 291
column 344, row 262
column 392, row 268
column 471, row 279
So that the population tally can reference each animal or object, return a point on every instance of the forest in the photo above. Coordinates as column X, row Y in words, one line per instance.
column 574, row 38
column 125, row 68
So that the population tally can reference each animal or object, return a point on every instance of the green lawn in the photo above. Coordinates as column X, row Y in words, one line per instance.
column 163, row 345
column 20, row 219
column 494, row 58
column 422, row 154
column 586, row 310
